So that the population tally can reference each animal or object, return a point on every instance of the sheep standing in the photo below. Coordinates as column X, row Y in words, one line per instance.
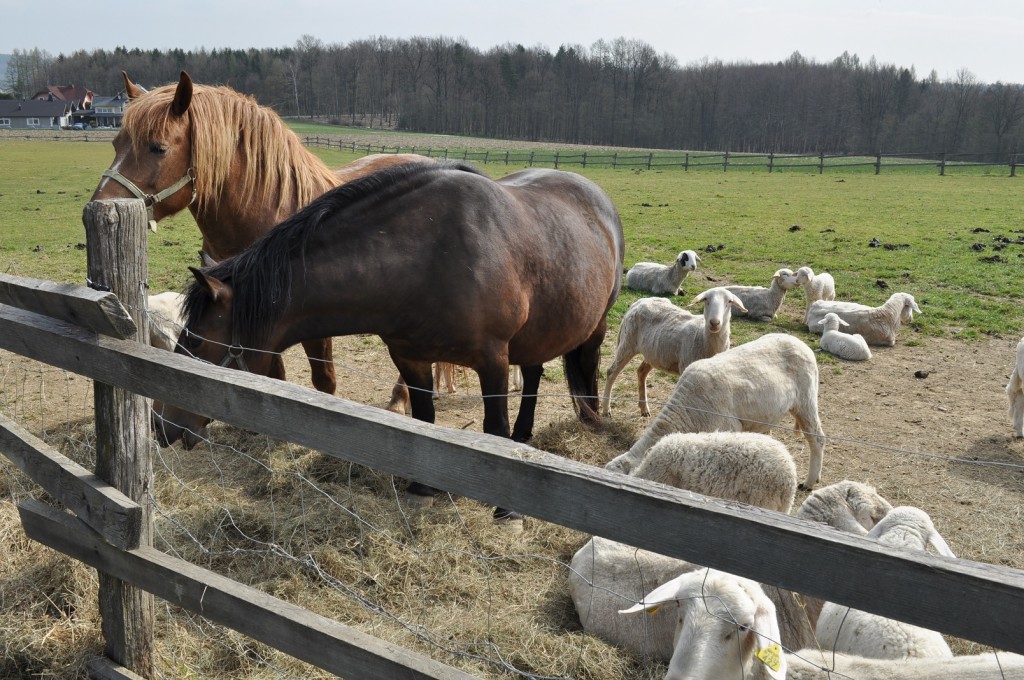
column 820, row 286
column 853, row 631
column 165, row 320
column 751, row 387
column 852, row 347
column 662, row 279
column 742, row 466
column 1015, row 392
column 669, row 338
column 762, row 304
column 879, row 325
column 849, row 506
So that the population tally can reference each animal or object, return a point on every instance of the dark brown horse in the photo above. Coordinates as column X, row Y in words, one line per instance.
column 444, row 264
column 233, row 163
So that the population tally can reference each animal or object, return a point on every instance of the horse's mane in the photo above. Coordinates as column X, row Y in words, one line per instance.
column 261, row 275
column 223, row 121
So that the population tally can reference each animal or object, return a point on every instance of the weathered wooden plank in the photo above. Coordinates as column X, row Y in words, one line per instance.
column 972, row 600
column 100, row 312
column 108, row 511
column 310, row 637
column 105, row 669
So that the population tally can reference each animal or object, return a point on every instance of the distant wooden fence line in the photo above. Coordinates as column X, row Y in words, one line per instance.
column 655, row 160
column 82, row 331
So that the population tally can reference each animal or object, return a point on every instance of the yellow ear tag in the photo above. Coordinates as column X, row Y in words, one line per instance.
column 653, row 610
column 769, row 656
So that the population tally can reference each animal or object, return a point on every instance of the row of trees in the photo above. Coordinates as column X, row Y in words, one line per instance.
column 618, row 93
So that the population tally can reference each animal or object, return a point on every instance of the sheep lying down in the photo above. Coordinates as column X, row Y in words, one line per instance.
column 879, row 325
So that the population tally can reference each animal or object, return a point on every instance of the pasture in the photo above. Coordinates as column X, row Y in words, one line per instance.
column 331, row 536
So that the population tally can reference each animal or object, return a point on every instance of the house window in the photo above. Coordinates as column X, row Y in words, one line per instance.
column 5, row 122
column 32, row 122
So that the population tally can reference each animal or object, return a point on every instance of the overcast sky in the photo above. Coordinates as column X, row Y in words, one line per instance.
column 986, row 38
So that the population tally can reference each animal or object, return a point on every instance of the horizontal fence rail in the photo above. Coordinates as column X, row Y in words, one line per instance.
column 968, row 599
column 655, row 160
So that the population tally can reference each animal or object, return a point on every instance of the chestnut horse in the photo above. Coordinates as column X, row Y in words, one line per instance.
column 233, row 163
column 444, row 264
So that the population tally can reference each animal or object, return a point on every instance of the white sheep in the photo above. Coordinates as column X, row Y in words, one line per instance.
column 820, row 286
column 762, row 303
column 669, row 338
column 749, row 388
column 849, row 506
column 724, row 630
column 165, row 320
column 879, row 325
column 1015, row 392
column 606, row 576
column 726, row 626
column 662, row 279
column 853, row 631
column 815, row 664
column 743, row 466
column 852, row 347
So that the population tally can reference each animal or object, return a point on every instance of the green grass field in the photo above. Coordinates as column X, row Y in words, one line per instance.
column 937, row 234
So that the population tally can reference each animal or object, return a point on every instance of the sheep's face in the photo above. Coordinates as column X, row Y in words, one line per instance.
column 718, row 304
column 688, row 260
column 831, row 322
column 786, row 278
column 909, row 307
column 804, row 275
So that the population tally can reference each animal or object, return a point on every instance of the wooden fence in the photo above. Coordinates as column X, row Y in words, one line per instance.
column 685, row 160
column 87, row 332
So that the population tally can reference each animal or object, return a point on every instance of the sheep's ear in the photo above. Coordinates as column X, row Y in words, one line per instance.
column 821, row 322
column 913, row 305
column 766, row 630
column 697, row 257
column 666, row 592
column 697, row 300
column 940, row 545
column 736, row 302
column 842, row 323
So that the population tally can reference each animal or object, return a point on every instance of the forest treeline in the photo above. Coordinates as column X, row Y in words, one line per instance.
column 617, row 93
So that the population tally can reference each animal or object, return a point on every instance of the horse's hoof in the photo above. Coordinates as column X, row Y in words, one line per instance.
column 417, row 502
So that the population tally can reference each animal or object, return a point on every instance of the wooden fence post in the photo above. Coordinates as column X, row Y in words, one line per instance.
column 771, row 161
column 1013, row 166
column 531, row 159
column 821, row 163
column 725, row 161
column 878, row 163
column 556, row 159
column 116, row 252
column 942, row 165
column 686, row 162
column 584, row 160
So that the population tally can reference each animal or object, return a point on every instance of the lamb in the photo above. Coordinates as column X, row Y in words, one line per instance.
column 669, row 338
column 750, row 387
column 878, row 325
column 763, row 303
column 724, row 629
column 606, row 576
column 1015, row 393
column 165, row 320
column 849, row 506
column 812, row 664
column 743, row 466
column 662, row 279
column 820, row 286
column 852, row 631
column 852, row 347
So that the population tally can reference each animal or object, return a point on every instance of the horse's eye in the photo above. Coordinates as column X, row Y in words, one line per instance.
column 157, row 148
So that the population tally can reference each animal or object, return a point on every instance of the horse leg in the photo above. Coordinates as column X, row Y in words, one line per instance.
column 417, row 377
column 321, row 364
column 581, row 368
column 523, row 429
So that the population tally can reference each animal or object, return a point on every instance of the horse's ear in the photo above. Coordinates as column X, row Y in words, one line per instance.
column 217, row 289
column 205, row 258
column 130, row 88
column 182, row 95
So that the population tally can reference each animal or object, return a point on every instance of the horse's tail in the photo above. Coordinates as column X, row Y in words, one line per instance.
column 581, row 369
